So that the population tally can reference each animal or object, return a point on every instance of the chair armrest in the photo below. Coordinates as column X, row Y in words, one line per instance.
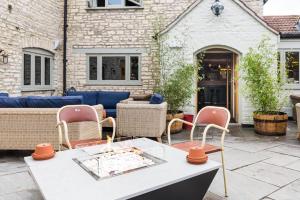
column 214, row 126
column 170, row 124
column 127, row 100
column 113, row 123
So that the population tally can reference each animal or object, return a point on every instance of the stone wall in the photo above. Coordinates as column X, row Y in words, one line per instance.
column 29, row 23
column 116, row 28
column 34, row 23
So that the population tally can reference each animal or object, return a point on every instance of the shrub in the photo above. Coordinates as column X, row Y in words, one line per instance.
column 262, row 82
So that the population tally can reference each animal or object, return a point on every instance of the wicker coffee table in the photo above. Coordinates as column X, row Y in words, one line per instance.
column 172, row 178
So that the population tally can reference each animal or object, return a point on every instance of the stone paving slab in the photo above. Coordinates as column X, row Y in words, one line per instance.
column 23, row 195
column 12, row 167
column 289, row 192
column 294, row 165
column 281, row 160
column 292, row 150
column 235, row 159
column 278, row 176
column 241, row 187
column 252, row 146
column 212, row 196
column 16, row 182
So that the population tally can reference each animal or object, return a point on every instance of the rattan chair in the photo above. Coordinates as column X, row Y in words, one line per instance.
column 79, row 113
column 212, row 117
column 141, row 119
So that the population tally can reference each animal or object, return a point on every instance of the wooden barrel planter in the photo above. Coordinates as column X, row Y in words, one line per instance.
column 270, row 124
column 176, row 126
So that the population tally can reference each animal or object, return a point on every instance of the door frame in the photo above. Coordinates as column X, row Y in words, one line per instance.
column 235, row 92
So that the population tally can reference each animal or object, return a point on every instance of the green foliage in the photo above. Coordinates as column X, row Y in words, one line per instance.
column 179, row 87
column 262, row 85
column 173, row 77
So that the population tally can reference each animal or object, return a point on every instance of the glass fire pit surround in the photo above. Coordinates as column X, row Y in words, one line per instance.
column 115, row 162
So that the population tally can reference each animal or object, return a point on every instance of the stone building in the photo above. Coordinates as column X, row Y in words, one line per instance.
column 110, row 45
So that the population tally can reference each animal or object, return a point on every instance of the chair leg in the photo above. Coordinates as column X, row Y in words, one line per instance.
column 224, row 173
column 159, row 139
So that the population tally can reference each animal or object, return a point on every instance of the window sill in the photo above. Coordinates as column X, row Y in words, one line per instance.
column 113, row 84
column 291, row 87
column 114, row 8
column 36, row 89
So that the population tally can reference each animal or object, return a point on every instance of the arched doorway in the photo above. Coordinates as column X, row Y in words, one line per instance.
column 218, row 86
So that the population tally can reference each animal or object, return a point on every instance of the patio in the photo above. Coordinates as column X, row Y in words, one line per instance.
column 257, row 168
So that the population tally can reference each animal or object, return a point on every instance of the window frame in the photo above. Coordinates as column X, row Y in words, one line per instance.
column 93, row 5
column 33, row 52
column 283, row 67
column 100, row 81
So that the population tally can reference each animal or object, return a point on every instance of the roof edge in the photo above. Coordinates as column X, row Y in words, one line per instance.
column 238, row 2
column 295, row 35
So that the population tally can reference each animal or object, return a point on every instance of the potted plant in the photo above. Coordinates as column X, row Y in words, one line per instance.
column 177, row 89
column 175, row 79
column 263, row 86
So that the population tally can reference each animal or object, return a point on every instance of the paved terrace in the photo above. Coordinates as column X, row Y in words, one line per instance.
column 258, row 168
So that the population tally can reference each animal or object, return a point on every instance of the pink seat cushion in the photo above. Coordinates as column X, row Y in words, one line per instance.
column 185, row 146
column 87, row 142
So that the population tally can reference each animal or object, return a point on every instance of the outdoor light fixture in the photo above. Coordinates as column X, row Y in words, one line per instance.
column 4, row 56
column 217, row 8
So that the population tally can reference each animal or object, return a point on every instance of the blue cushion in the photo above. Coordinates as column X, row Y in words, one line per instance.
column 109, row 100
column 111, row 113
column 3, row 94
column 52, row 101
column 89, row 97
column 12, row 102
column 156, row 99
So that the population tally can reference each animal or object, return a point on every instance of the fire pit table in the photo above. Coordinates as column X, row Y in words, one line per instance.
column 139, row 169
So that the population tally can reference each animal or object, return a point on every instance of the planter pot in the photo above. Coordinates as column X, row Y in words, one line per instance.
column 270, row 124
column 176, row 126
column 188, row 118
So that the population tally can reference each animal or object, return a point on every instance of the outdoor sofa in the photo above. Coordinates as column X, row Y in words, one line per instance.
column 27, row 121
column 298, row 119
column 108, row 99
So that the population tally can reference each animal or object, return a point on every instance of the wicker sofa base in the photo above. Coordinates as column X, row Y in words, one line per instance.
column 23, row 128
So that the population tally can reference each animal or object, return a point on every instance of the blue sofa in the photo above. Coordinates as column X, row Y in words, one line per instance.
column 108, row 99
column 39, row 102
column 3, row 94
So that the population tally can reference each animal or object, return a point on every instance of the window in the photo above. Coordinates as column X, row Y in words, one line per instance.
column 115, row 3
column 37, row 65
column 114, row 69
column 292, row 66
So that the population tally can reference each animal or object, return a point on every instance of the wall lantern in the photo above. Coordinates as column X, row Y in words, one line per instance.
column 4, row 56
column 217, row 8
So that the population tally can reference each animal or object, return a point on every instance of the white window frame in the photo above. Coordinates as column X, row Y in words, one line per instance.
column 43, row 54
column 93, row 5
column 127, row 80
column 283, row 67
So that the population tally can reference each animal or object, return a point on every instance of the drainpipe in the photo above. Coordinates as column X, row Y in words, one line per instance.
column 65, row 46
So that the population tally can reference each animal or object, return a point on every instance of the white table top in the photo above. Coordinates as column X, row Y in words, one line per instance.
column 62, row 178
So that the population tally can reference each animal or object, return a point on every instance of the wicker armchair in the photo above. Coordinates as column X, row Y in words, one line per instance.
column 298, row 119
column 141, row 119
column 23, row 128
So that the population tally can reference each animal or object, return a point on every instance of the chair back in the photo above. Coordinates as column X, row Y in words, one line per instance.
column 213, row 115
column 77, row 113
